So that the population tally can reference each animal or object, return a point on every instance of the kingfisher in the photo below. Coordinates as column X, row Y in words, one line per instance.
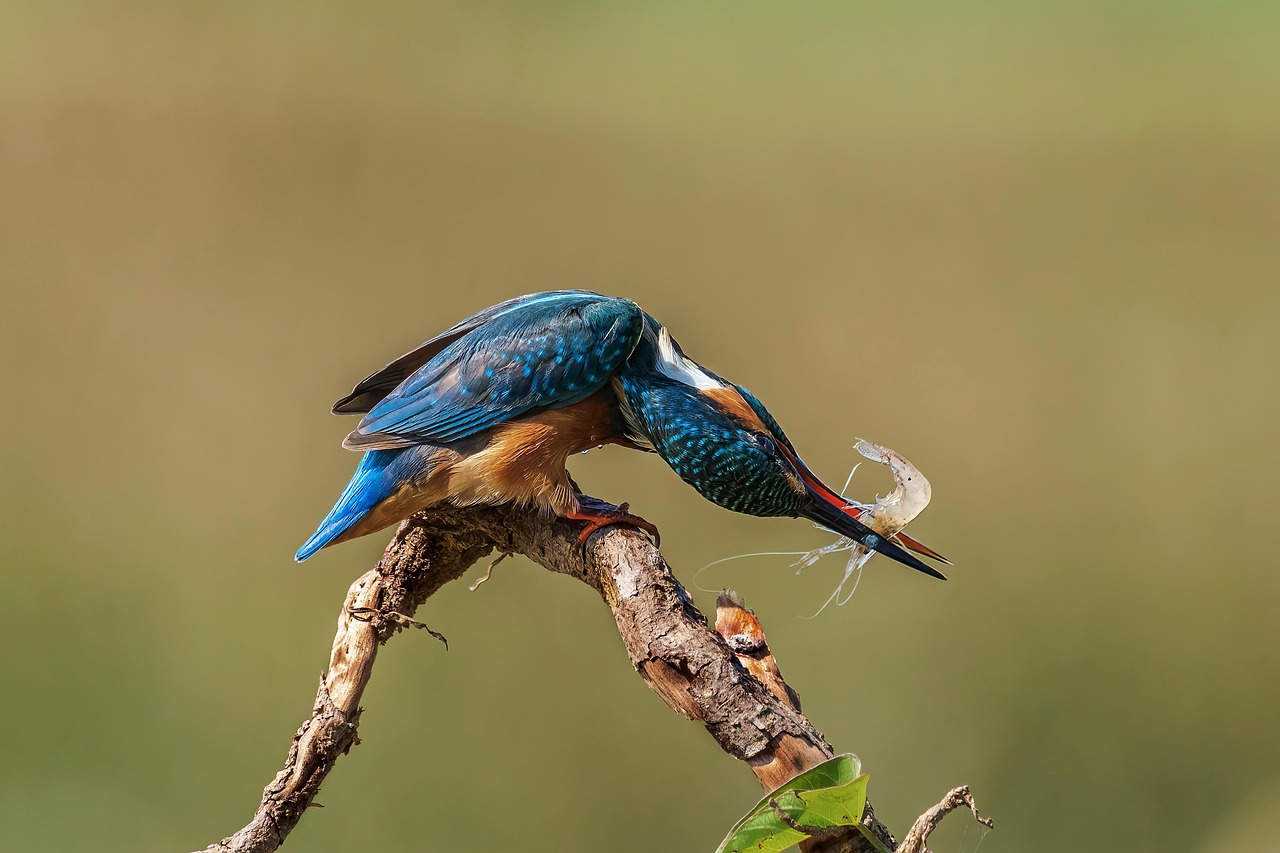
column 489, row 411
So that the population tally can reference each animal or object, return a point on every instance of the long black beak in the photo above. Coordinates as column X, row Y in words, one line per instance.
column 836, row 520
column 837, row 515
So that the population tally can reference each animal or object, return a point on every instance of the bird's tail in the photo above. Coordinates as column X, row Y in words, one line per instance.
column 380, row 475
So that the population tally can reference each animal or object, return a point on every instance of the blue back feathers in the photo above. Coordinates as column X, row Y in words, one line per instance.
column 546, row 351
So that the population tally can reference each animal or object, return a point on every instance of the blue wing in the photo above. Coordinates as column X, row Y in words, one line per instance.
column 380, row 383
column 539, row 352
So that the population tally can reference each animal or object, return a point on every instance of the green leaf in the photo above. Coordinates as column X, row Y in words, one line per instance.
column 832, row 794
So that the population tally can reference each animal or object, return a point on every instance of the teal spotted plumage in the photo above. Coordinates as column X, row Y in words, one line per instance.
column 709, row 449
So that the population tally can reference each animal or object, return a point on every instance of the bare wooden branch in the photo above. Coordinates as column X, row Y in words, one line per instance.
column 667, row 639
column 417, row 563
column 915, row 840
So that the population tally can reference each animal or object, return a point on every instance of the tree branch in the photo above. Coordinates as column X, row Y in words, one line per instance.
column 420, row 559
column 667, row 639
column 928, row 822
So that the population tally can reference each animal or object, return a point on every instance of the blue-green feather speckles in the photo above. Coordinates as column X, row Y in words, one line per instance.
column 709, row 449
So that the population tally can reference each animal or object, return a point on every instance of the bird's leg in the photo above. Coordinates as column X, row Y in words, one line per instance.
column 603, row 515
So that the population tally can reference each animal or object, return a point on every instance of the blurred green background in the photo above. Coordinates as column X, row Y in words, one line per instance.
column 1035, row 247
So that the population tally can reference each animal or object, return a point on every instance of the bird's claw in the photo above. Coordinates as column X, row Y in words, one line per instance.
column 602, row 519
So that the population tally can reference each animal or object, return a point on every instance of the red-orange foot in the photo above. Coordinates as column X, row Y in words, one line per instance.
column 601, row 518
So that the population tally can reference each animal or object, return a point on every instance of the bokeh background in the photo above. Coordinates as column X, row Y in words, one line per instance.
column 1035, row 247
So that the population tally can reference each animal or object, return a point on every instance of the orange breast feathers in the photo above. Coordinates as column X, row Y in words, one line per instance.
column 523, row 461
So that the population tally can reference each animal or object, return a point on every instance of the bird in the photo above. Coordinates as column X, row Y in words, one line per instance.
column 489, row 411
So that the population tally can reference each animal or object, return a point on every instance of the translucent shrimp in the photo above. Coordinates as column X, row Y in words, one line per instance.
column 889, row 514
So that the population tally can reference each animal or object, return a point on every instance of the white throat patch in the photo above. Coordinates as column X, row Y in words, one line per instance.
column 674, row 365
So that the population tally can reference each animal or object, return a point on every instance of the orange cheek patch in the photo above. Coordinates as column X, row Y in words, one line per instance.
column 729, row 400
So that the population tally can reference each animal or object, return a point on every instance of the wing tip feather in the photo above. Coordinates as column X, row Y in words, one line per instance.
column 357, row 440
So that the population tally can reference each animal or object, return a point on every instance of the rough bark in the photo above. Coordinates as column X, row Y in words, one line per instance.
column 667, row 640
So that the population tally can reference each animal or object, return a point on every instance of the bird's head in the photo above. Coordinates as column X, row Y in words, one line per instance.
column 775, row 470
column 722, row 441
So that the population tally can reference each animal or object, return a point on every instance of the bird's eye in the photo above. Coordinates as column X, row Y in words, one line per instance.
column 764, row 443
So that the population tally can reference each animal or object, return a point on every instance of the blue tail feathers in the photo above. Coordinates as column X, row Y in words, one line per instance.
column 380, row 474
